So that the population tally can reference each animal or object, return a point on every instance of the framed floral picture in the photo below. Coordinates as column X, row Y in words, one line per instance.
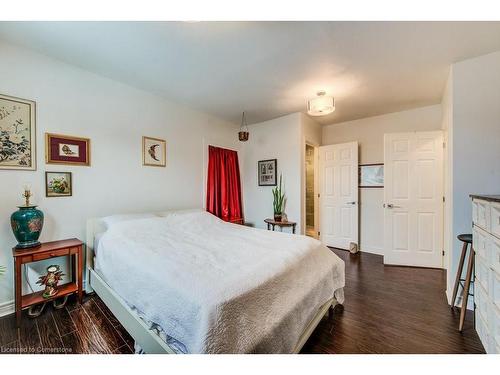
column 267, row 172
column 65, row 149
column 17, row 133
column 154, row 152
column 58, row 184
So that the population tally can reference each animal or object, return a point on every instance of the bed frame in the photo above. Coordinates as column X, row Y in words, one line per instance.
column 149, row 341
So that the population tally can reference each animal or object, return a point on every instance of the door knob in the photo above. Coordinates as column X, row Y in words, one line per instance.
column 351, row 203
column 390, row 205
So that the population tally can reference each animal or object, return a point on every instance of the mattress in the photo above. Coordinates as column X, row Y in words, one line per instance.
column 213, row 287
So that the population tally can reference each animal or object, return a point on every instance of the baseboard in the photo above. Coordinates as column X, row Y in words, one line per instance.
column 448, row 296
column 7, row 308
column 372, row 250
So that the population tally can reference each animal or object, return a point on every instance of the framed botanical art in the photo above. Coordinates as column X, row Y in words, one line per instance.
column 58, row 184
column 17, row 133
column 65, row 149
column 154, row 152
column 371, row 175
column 267, row 172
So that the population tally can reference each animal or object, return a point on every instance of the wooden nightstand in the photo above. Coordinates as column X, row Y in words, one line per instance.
column 282, row 224
column 72, row 247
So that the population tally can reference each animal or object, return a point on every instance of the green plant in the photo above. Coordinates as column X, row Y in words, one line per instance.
column 2, row 270
column 279, row 199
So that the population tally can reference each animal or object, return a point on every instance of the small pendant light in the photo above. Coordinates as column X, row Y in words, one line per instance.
column 243, row 133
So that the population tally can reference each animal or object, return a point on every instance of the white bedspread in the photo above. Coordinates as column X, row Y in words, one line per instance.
column 217, row 287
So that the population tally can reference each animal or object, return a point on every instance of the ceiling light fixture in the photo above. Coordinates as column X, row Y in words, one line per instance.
column 321, row 105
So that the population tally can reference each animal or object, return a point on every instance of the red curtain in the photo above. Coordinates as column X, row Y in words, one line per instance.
column 223, row 185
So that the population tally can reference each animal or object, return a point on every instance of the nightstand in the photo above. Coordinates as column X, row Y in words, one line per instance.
column 47, row 250
column 282, row 224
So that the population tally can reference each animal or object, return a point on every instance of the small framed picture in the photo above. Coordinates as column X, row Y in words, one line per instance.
column 154, row 152
column 267, row 172
column 17, row 133
column 65, row 149
column 58, row 184
column 371, row 175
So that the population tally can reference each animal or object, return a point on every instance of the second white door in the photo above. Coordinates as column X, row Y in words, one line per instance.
column 338, row 201
column 413, row 196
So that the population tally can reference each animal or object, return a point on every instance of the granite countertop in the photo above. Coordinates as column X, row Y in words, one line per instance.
column 491, row 198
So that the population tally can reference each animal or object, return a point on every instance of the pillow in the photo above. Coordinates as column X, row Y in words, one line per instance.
column 113, row 219
column 97, row 238
column 178, row 212
column 164, row 213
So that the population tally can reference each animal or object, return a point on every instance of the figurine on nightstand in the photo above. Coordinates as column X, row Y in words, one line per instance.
column 50, row 280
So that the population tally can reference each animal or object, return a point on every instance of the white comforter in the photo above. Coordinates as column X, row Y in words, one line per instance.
column 218, row 287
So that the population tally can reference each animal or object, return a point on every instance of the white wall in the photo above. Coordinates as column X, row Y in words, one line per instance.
column 115, row 116
column 311, row 134
column 312, row 131
column 447, row 119
column 369, row 132
column 275, row 139
column 475, row 139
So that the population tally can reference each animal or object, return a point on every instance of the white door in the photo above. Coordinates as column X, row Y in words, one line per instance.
column 338, row 200
column 413, row 199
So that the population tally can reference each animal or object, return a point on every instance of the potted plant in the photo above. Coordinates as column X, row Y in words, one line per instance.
column 278, row 201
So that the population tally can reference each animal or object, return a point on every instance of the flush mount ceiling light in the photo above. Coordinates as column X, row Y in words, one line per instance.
column 321, row 105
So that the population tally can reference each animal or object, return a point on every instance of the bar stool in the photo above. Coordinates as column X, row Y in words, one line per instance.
column 464, row 283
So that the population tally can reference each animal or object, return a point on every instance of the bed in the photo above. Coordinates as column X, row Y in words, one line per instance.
column 187, row 282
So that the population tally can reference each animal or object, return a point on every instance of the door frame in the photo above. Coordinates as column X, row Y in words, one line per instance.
column 303, row 228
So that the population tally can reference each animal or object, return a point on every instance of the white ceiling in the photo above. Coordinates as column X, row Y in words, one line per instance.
column 269, row 69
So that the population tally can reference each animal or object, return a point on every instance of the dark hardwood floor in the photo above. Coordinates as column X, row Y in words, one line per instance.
column 393, row 310
column 86, row 328
column 387, row 310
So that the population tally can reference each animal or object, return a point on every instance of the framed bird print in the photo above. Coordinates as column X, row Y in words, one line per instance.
column 65, row 149
column 17, row 133
column 154, row 152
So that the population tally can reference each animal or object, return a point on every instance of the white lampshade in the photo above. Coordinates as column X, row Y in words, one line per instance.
column 321, row 105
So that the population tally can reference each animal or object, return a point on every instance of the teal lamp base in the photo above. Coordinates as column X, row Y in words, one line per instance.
column 27, row 224
column 27, row 244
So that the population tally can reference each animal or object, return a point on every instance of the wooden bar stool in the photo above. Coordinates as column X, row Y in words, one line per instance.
column 464, row 283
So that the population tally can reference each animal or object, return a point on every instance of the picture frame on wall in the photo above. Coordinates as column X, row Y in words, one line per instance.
column 17, row 133
column 66, row 149
column 154, row 152
column 58, row 184
column 371, row 175
column 267, row 172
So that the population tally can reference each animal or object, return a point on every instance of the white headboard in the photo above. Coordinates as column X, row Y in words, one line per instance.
column 95, row 226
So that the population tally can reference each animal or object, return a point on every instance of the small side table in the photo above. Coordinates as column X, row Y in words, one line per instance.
column 282, row 224
column 72, row 247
